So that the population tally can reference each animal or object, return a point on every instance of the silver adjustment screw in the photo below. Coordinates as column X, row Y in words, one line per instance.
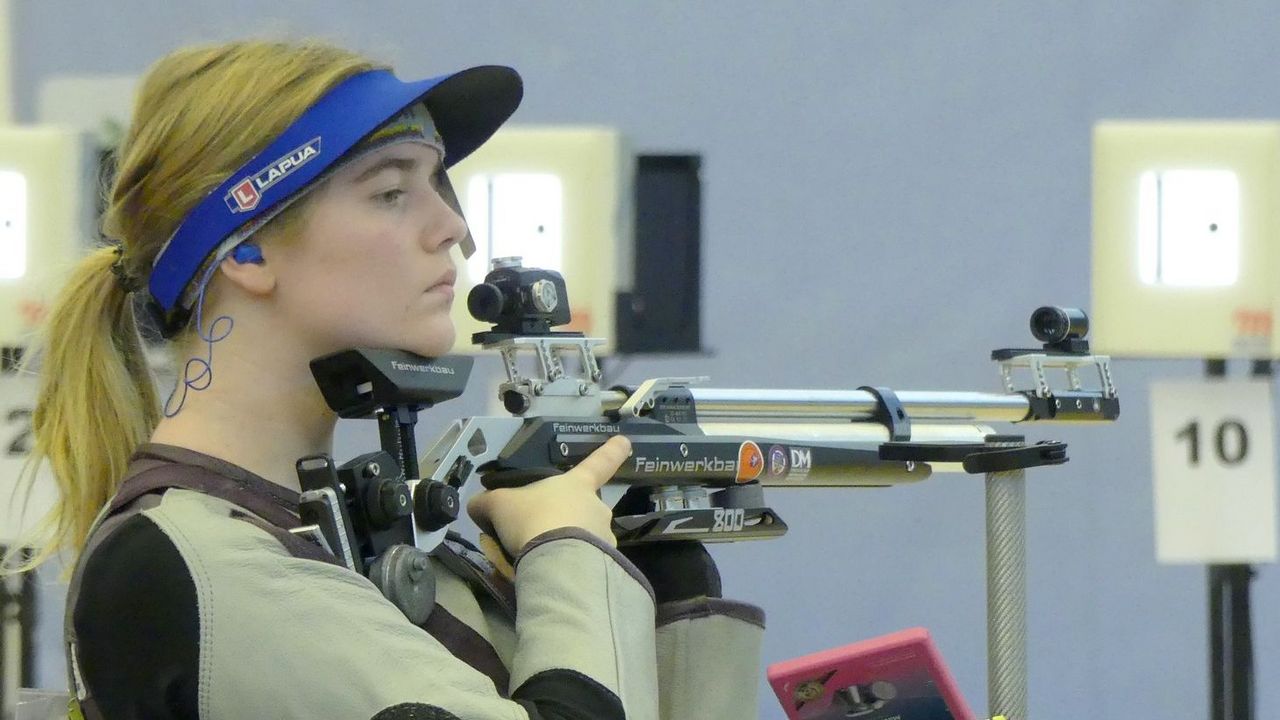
column 501, row 263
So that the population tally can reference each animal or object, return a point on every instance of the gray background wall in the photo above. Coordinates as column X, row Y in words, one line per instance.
column 890, row 188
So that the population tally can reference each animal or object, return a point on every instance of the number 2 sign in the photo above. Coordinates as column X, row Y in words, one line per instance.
column 17, row 399
column 1213, row 459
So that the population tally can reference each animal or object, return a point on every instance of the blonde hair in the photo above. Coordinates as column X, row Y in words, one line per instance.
column 201, row 113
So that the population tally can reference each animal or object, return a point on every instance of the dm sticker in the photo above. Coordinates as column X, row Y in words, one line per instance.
column 801, row 463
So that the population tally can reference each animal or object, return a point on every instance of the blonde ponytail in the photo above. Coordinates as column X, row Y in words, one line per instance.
column 96, row 402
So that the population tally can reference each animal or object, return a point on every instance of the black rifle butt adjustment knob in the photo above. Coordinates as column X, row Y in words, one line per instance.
column 485, row 302
column 516, row 402
column 387, row 500
column 435, row 505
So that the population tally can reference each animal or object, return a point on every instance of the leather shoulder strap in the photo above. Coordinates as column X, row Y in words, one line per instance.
column 148, row 476
column 468, row 563
column 264, row 512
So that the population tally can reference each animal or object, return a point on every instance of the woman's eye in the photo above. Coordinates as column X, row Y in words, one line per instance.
column 390, row 197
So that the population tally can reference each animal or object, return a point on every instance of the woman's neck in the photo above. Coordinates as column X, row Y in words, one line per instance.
column 261, row 413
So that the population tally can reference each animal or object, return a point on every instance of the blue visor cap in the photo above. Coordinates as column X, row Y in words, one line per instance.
column 467, row 107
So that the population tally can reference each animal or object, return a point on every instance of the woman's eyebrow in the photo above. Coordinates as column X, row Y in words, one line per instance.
column 406, row 165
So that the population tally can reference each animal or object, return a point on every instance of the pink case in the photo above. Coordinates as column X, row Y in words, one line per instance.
column 900, row 676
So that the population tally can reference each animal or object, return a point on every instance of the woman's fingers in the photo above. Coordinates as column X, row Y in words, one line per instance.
column 601, row 465
column 517, row 515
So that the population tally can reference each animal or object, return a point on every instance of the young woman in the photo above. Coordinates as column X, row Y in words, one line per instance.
column 273, row 203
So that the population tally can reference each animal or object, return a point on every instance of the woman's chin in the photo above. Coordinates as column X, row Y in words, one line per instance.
column 434, row 342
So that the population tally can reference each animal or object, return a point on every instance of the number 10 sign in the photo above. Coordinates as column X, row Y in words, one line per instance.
column 1213, row 453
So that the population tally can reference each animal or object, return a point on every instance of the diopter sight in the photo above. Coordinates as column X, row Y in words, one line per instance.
column 519, row 301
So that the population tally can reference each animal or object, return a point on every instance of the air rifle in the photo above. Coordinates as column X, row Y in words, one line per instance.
column 704, row 456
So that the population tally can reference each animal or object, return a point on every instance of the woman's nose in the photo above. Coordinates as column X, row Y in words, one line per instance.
column 446, row 227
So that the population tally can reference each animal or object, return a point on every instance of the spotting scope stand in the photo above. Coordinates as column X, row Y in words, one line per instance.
column 704, row 456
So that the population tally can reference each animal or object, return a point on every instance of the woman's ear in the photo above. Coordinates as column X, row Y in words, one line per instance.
column 249, row 271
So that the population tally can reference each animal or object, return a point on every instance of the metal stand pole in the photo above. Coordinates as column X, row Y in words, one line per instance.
column 1007, row 595
column 1230, row 623
column 11, row 670
column 1230, row 642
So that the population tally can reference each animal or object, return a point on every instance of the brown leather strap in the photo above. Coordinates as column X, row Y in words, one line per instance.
column 298, row 546
column 152, row 475
column 470, row 564
column 468, row 646
column 264, row 512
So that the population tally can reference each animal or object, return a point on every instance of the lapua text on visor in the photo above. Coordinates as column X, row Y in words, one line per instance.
column 246, row 194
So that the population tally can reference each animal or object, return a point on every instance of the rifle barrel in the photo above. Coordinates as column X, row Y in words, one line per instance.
column 847, row 405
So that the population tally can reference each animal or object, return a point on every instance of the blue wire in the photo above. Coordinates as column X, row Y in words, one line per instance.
column 204, row 377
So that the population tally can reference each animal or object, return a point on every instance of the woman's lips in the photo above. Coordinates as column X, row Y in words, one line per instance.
column 445, row 286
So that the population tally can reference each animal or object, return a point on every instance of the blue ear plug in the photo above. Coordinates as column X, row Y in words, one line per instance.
column 247, row 253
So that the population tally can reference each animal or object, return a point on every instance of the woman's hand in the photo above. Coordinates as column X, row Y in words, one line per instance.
column 518, row 515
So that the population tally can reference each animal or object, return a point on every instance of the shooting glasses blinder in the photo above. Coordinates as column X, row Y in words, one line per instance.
column 361, row 114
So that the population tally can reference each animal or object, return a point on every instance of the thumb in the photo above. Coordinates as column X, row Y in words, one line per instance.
column 479, row 507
